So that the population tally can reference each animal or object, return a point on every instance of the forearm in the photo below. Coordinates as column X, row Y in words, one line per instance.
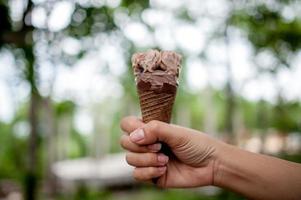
column 257, row 176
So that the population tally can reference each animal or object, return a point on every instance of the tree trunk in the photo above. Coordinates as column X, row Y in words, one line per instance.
column 49, row 126
column 99, row 140
column 31, row 177
column 261, row 122
column 230, row 96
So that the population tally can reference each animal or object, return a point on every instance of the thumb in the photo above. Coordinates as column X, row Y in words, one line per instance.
column 156, row 131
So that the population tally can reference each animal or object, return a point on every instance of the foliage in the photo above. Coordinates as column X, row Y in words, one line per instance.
column 267, row 29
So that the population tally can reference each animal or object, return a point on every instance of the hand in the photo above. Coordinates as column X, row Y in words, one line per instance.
column 191, row 165
column 198, row 160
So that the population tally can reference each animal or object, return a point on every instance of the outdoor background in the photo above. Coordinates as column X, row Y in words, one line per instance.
column 66, row 82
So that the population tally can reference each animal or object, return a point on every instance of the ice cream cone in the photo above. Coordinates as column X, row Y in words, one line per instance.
column 156, row 76
column 156, row 106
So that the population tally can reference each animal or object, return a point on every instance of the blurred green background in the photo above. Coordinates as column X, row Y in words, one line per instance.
column 66, row 81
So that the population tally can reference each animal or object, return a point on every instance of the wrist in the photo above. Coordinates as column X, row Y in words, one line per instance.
column 222, row 150
column 233, row 169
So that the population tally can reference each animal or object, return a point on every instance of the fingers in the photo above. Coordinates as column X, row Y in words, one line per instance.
column 130, row 123
column 155, row 131
column 127, row 144
column 146, row 159
column 148, row 173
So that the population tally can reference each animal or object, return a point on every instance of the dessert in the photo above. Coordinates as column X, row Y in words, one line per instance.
column 156, row 74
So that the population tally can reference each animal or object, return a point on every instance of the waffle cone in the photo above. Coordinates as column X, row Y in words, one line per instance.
column 156, row 106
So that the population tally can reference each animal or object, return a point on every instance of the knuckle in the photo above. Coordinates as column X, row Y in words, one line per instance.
column 148, row 159
column 152, row 158
column 142, row 149
column 127, row 121
column 130, row 123
column 154, row 125
column 152, row 171
column 137, row 175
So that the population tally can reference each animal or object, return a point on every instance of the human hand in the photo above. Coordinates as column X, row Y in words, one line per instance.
column 191, row 164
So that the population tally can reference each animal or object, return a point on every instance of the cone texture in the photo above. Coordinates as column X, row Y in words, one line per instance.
column 156, row 106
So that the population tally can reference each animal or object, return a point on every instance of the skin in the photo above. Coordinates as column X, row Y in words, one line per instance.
column 199, row 160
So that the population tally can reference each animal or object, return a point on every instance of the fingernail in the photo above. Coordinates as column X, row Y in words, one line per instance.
column 155, row 147
column 162, row 158
column 137, row 135
column 162, row 169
